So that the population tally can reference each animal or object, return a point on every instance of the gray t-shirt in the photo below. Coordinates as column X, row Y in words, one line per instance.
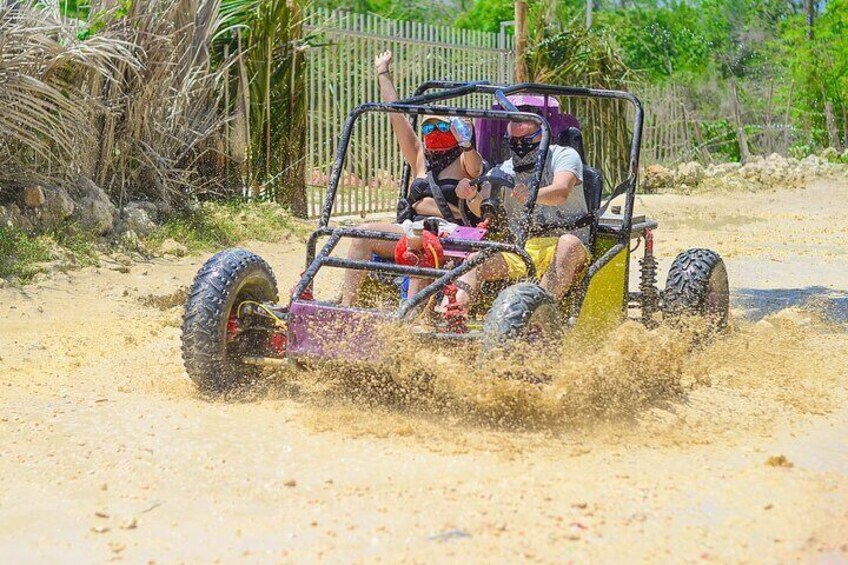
column 560, row 159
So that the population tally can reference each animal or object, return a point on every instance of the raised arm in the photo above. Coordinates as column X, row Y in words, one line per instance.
column 409, row 143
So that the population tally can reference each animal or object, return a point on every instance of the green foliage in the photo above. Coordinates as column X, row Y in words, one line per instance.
column 487, row 15
column 20, row 253
column 720, row 136
column 589, row 58
column 213, row 225
column 265, row 39
column 428, row 11
column 818, row 68
column 659, row 43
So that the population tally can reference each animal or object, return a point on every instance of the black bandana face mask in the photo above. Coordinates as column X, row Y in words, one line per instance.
column 438, row 161
column 523, row 151
column 523, row 146
column 523, row 154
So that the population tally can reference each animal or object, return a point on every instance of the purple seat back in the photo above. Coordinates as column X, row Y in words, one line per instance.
column 490, row 133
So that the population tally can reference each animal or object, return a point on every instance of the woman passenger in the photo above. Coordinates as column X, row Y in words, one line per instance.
column 437, row 156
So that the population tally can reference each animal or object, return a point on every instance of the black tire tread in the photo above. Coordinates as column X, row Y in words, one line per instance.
column 687, row 283
column 209, row 302
column 511, row 311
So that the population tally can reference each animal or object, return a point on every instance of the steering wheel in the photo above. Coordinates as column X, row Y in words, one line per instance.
column 491, row 208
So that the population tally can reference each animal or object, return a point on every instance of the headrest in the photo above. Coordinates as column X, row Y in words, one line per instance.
column 571, row 137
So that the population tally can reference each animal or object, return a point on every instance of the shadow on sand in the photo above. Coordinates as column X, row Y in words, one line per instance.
column 758, row 303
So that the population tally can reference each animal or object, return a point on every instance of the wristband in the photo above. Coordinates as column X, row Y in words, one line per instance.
column 383, row 73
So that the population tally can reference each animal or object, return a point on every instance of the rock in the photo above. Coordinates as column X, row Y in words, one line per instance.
column 12, row 217
column 32, row 196
column 137, row 219
column 57, row 207
column 130, row 240
column 122, row 259
column 691, row 173
column 655, row 177
column 2, row 283
column 290, row 483
column 151, row 209
column 171, row 247
column 86, row 188
column 95, row 212
column 95, row 216
column 723, row 169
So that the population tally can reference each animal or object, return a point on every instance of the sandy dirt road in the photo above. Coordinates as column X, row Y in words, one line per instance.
column 108, row 454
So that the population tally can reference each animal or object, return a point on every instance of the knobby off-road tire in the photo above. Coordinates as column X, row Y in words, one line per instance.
column 522, row 313
column 225, row 281
column 697, row 286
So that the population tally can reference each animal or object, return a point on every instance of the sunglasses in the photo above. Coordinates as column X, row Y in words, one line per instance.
column 430, row 127
column 526, row 138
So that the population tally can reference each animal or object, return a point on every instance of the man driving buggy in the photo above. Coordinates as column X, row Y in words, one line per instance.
column 559, row 255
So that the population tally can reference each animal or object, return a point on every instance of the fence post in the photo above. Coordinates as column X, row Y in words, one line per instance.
column 741, row 137
column 520, row 41
column 699, row 135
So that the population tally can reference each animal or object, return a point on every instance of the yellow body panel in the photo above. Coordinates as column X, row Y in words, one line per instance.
column 603, row 308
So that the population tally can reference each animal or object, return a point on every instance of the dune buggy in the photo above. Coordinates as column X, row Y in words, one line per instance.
column 233, row 324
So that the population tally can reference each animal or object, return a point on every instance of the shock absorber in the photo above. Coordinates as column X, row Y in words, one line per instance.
column 650, row 296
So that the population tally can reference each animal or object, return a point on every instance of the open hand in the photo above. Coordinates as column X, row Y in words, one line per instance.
column 383, row 61
column 521, row 192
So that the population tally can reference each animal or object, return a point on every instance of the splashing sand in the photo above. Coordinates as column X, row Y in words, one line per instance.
column 641, row 446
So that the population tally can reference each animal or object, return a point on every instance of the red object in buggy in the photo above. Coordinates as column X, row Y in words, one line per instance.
column 431, row 254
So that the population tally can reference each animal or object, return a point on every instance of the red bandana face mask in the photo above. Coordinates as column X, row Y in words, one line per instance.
column 439, row 141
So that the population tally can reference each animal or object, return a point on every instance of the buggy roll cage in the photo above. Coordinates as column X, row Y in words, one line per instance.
column 420, row 104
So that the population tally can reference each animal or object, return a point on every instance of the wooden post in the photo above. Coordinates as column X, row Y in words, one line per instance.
column 741, row 138
column 588, row 14
column 520, row 41
column 832, row 132
column 699, row 135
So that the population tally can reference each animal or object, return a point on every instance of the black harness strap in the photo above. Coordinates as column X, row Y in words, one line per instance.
column 439, row 197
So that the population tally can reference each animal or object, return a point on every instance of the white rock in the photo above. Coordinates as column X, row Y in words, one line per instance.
column 171, row 247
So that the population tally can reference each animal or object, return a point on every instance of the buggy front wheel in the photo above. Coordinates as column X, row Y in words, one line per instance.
column 215, row 338
column 522, row 313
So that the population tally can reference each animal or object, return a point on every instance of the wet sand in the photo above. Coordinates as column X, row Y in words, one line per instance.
column 109, row 453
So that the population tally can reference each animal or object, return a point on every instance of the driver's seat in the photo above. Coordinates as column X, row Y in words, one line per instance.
column 593, row 183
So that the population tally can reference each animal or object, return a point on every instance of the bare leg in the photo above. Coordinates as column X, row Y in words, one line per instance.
column 492, row 269
column 361, row 250
column 570, row 256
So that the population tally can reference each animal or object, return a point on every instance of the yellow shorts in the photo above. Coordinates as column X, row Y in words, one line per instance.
column 541, row 251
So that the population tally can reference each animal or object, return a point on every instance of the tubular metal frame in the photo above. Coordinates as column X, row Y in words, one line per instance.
column 420, row 104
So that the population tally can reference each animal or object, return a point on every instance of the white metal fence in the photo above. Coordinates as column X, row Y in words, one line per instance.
column 341, row 76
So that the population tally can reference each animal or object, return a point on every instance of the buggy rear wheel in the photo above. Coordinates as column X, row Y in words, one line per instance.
column 214, row 337
column 522, row 313
column 697, row 286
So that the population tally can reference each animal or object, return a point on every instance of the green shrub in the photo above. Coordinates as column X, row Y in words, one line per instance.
column 20, row 253
column 213, row 225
